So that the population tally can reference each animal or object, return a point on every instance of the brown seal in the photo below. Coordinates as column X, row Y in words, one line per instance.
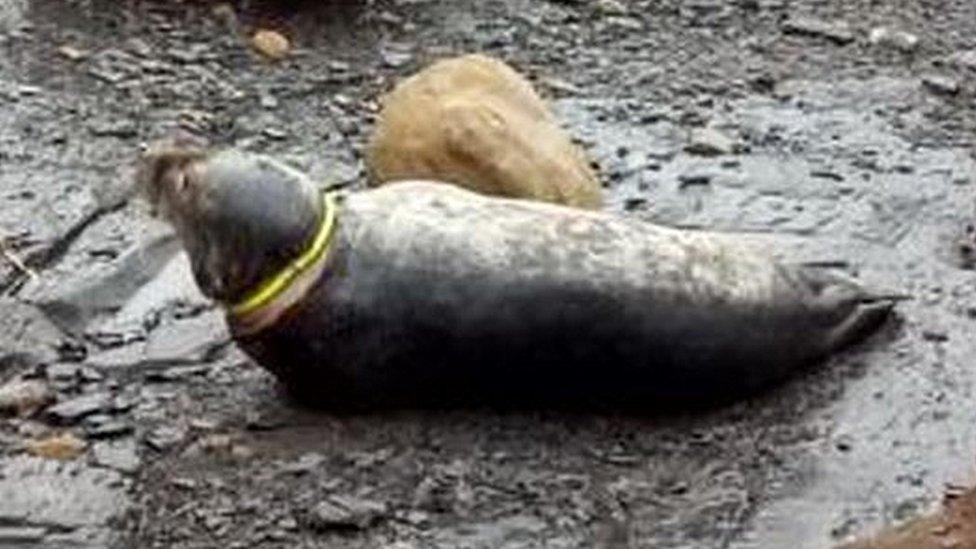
column 475, row 122
column 425, row 293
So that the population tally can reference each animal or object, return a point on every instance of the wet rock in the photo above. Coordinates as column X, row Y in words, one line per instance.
column 303, row 465
column 122, row 129
column 837, row 32
column 72, row 411
column 902, row 41
column 942, row 85
column 165, row 438
column 344, row 513
column 610, row 7
column 710, row 142
column 964, row 60
column 120, row 455
column 395, row 59
column 65, row 446
column 692, row 179
column 23, row 397
column 21, row 534
column 59, row 495
column 72, row 53
column 111, row 428
column 25, row 331
column 63, row 373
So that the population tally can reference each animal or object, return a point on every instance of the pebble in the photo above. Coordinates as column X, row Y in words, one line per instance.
column 72, row 53
column 165, row 437
column 610, row 7
column 121, row 456
column 63, row 447
column 837, row 32
column 24, row 397
column 964, row 60
column 942, row 85
column 71, row 411
column 271, row 44
column 109, row 429
column 710, row 142
column 694, row 179
column 902, row 41
column 21, row 534
column 340, row 513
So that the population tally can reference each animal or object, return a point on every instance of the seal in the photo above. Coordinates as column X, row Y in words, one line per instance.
column 425, row 294
column 474, row 121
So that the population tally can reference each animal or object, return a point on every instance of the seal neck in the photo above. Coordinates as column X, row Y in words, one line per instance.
column 263, row 305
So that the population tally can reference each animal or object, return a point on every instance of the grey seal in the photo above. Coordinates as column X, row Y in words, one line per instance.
column 422, row 293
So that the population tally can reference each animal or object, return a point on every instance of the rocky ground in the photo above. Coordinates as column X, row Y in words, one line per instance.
column 838, row 130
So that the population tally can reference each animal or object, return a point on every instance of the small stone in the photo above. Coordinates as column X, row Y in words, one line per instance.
column 214, row 444
column 610, row 7
column 72, row 53
column 305, row 464
column 694, row 179
column 271, row 44
column 942, row 85
column 710, row 142
column 64, row 447
column 121, row 456
column 964, row 60
column 62, row 372
column 346, row 513
column 275, row 133
column 902, row 41
column 396, row 59
column 109, row 429
column 71, row 411
column 268, row 101
column 163, row 438
column 837, row 32
column 23, row 397
column 183, row 483
column 21, row 534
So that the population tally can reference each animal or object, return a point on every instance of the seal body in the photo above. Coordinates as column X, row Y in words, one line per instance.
column 475, row 122
column 433, row 294
column 429, row 294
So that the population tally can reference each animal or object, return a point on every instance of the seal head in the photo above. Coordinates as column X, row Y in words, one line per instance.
column 244, row 219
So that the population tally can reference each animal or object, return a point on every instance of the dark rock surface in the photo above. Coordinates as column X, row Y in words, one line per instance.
column 838, row 148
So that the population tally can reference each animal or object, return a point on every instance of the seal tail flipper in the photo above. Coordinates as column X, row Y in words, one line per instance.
column 867, row 317
column 852, row 312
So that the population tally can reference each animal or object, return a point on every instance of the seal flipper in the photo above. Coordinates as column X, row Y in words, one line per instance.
column 853, row 312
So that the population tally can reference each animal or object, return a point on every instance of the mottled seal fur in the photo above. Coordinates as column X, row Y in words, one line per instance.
column 433, row 295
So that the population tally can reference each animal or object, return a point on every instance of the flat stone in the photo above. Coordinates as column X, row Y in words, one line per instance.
column 902, row 41
column 942, row 85
column 24, row 396
column 964, row 60
column 339, row 512
column 72, row 411
column 121, row 456
column 109, row 429
column 62, row 495
column 837, row 32
column 166, row 437
column 21, row 534
column 710, row 142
